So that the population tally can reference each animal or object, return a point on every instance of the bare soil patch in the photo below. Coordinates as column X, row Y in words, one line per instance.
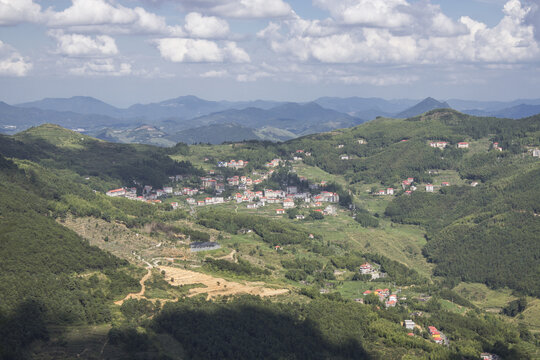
column 216, row 286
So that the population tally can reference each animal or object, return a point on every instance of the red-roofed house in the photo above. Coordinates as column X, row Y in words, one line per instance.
column 463, row 145
column 116, row 192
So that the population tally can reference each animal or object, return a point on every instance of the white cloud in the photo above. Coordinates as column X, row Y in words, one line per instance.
column 200, row 26
column 81, row 45
column 248, row 9
column 215, row 74
column 252, row 76
column 420, row 17
column 190, row 50
column 377, row 80
column 12, row 63
column 102, row 67
column 512, row 40
column 17, row 11
column 533, row 16
column 236, row 54
column 378, row 13
column 103, row 16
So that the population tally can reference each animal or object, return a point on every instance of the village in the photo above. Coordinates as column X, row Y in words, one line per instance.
column 236, row 183
column 210, row 190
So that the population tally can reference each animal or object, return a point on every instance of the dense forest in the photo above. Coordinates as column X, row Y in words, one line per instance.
column 325, row 328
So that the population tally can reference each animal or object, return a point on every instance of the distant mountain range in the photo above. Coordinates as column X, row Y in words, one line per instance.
column 191, row 119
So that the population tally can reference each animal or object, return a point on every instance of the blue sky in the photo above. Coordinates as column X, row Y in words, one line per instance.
column 129, row 51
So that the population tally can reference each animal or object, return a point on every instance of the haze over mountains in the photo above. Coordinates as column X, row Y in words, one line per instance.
column 191, row 119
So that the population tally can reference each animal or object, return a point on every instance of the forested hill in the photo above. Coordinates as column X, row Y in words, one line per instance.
column 488, row 233
column 119, row 164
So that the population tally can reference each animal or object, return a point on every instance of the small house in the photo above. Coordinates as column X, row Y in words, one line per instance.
column 280, row 211
column 429, row 188
column 536, row 153
column 438, row 144
column 366, row 268
column 463, row 145
column 445, row 183
column 116, row 192
column 390, row 191
column 288, row 203
column 409, row 324
column 344, row 157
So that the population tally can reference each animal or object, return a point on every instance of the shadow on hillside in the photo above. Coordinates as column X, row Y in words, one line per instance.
column 250, row 331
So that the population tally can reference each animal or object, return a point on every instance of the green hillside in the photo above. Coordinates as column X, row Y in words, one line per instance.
column 54, row 285
column 58, row 148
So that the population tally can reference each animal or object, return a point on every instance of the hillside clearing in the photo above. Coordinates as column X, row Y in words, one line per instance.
column 215, row 286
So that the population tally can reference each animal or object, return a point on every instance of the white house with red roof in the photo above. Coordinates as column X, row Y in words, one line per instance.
column 438, row 144
column 463, row 145
column 288, row 203
column 116, row 192
column 366, row 268
column 429, row 188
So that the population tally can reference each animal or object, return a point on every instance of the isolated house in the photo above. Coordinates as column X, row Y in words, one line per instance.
column 536, row 153
column 463, row 145
column 409, row 324
column 280, row 211
column 429, row 188
column 366, row 268
column 390, row 191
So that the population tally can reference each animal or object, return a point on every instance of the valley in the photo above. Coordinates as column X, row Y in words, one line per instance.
column 338, row 236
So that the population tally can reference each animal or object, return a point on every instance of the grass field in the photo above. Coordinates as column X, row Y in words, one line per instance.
column 317, row 175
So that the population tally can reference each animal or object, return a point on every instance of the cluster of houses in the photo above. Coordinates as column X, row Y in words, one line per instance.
column 274, row 163
column 443, row 144
column 207, row 201
column 390, row 300
column 149, row 194
column 388, row 191
column 297, row 155
column 409, row 187
column 437, row 336
column 234, row 164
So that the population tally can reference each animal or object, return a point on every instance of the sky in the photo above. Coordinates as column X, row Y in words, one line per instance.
column 141, row 51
